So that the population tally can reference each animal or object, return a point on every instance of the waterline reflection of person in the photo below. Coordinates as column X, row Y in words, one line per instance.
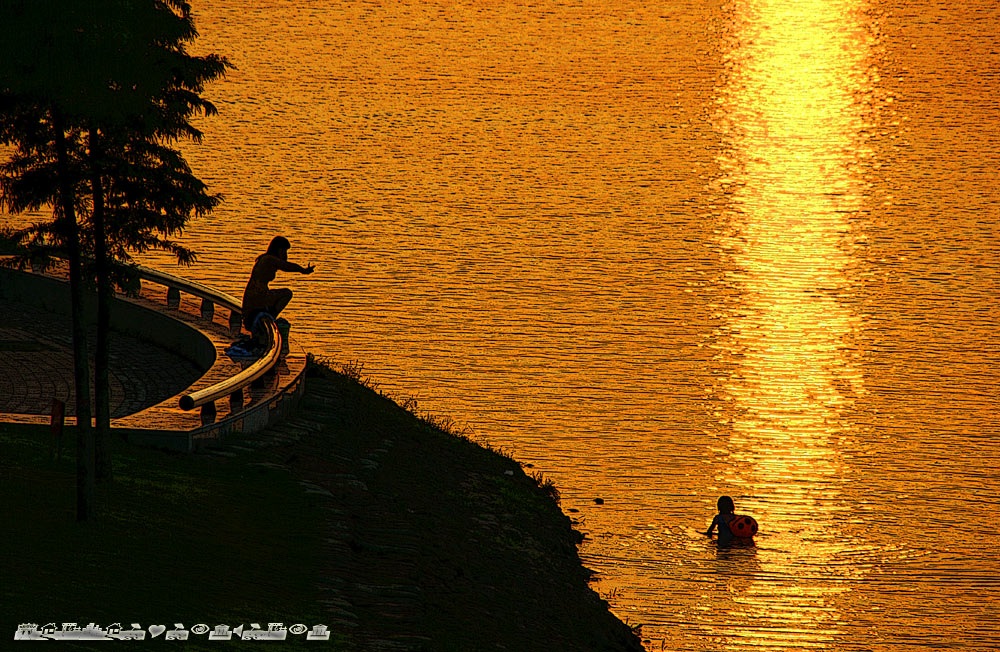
column 258, row 297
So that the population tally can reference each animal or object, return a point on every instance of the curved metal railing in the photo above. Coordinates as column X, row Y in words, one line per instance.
column 236, row 383
column 210, row 297
column 233, row 386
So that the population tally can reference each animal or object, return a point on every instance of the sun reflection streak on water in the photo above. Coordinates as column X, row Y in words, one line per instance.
column 515, row 213
column 793, row 114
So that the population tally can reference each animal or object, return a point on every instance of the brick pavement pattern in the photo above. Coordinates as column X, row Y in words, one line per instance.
column 36, row 366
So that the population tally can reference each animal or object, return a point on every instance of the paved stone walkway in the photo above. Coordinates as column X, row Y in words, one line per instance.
column 36, row 365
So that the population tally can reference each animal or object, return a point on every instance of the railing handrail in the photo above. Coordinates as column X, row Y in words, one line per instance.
column 236, row 383
column 191, row 287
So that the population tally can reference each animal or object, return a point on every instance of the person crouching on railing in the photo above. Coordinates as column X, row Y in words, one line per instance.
column 258, row 297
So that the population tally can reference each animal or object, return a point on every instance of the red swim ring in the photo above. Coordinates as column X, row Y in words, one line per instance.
column 743, row 526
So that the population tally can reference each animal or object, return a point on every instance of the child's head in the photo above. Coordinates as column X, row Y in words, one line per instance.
column 726, row 505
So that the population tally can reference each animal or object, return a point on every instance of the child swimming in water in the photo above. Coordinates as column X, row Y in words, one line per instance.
column 726, row 515
column 730, row 525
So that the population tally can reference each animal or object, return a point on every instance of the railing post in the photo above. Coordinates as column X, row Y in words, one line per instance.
column 235, row 322
column 284, row 329
column 208, row 413
column 173, row 297
column 207, row 309
column 236, row 400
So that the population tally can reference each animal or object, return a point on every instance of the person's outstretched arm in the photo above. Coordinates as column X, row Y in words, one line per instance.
column 711, row 527
column 288, row 266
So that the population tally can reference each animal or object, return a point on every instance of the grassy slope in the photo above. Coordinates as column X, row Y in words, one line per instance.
column 179, row 539
column 407, row 538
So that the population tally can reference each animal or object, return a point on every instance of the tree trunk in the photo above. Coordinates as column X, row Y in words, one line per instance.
column 85, row 500
column 102, row 391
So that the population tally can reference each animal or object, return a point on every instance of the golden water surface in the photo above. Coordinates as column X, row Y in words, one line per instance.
column 662, row 252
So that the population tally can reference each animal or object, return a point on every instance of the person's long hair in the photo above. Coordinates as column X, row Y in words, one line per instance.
column 279, row 246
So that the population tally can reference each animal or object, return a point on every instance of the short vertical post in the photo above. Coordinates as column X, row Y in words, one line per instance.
column 207, row 309
column 56, row 424
column 208, row 413
column 235, row 322
column 284, row 328
column 173, row 297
